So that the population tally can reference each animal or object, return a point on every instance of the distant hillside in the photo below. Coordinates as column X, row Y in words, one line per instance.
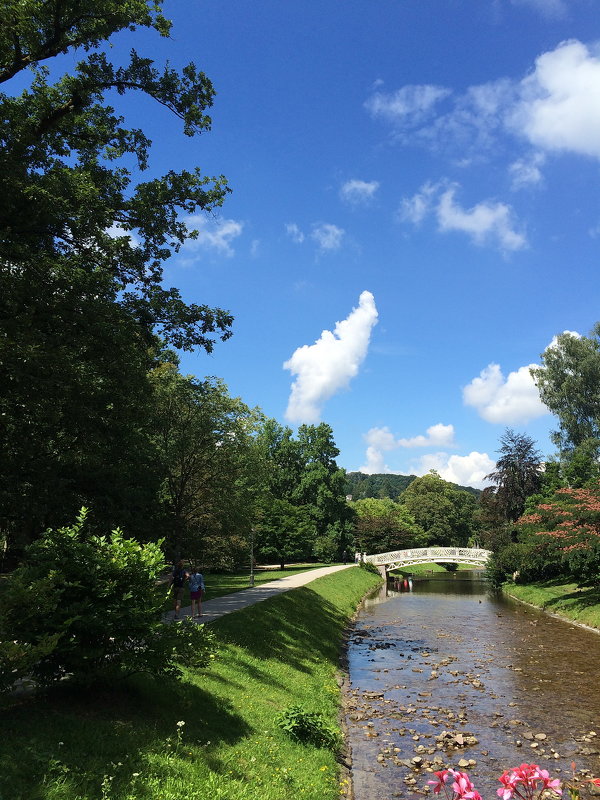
column 360, row 485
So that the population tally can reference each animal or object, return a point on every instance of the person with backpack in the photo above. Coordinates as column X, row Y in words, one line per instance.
column 196, row 582
column 178, row 577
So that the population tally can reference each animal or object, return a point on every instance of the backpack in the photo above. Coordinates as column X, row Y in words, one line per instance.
column 178, row 577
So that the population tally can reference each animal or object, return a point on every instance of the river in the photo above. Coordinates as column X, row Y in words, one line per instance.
column 450, row 674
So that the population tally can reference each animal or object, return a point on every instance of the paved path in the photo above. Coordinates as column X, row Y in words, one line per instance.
column 213, row 609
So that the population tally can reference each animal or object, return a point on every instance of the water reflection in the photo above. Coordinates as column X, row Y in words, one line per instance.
column 444, row 654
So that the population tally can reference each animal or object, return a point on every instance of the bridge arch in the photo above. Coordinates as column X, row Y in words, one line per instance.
column 474, row 556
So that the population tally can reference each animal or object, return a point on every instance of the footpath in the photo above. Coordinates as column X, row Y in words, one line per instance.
column 228, row 603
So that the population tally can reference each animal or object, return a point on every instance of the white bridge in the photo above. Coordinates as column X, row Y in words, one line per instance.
column 474, row 556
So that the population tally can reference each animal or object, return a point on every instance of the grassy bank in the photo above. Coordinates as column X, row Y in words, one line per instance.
column 125, row 743
column 580, row 604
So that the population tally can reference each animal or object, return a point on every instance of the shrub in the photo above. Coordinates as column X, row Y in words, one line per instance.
column 85, row 606
column 308, row 727
column 369, row 567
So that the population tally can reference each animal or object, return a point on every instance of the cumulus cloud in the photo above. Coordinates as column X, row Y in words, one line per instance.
column 486, row 222
column 467, row 470
column 555, row 107
column 294, row 232
column 357, row 192
column 510, row 400
column 560, row 102
column 213, row 235
column 381, row 440
column 327, row 236
column 327, row 366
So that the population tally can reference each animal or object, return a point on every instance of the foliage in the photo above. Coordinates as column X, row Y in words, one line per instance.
column 273, row 655
column 385, row 485
column 84, row 606
column 205, row 451
column 383, row 525
column 308, row 727
column 302, row 474
column 493, row 529
column 517, row 473
column 443, row 512
column 568, row 381
column 81, row 251
column 566, row 530
column 369, row 567
column 285, row 532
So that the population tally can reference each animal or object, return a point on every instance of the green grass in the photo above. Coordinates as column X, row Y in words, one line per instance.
column 581, row 604
column 219, row 584
column 122, row 743
column 420, row 569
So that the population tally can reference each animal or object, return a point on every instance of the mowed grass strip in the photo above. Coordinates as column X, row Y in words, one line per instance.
column 569, row 600
column 125, row 742
column 222, row 583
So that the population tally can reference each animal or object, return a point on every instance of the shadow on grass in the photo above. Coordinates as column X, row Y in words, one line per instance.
column 81, row 735
column 580, row 599
column 297, row 628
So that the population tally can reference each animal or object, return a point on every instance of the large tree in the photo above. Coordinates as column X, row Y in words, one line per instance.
column 82, row 243
column 382, row 525
column 204, row 444
column 517, row 474
column 569, row 384
column 442, row 511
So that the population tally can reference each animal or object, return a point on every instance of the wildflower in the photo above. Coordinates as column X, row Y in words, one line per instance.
column 181, row 723
column 442, row 777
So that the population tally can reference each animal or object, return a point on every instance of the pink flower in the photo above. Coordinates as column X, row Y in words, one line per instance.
column 442, row 778
column 462, row 786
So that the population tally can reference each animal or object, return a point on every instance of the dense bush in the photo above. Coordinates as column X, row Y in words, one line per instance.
column 308, row 727
column 86, row 607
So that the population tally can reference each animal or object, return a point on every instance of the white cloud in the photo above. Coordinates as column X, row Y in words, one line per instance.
column 464, row 470
column 327, row 236
column 526, row 171
column 357, row 192
column 556, row 107
column 327, row 366
column 437, row 436
column 559, row 108
column 216, row 235
column 414, row 209
column 117, row 232
column 486, row 222
column 407, row 103
column 510, row 400
column 552, row 9
column 381, row 440
column 294, row 232
column 554, row 341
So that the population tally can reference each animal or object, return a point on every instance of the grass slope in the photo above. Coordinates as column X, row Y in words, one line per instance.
column 125, row 743
column 580, row 604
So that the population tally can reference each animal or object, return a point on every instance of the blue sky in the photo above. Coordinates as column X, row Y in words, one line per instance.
column 415, row 212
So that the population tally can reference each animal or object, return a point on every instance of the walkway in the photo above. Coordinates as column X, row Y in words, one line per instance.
column 214, row 609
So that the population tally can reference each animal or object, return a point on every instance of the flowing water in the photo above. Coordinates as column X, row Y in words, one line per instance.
column 445, row 672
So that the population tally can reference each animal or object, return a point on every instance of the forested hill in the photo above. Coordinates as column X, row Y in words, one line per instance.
column 360, row 485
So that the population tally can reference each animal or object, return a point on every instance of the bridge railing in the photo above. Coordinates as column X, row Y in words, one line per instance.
column 416, row 555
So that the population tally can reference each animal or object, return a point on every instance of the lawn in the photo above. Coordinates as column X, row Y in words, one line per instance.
column 221, row 583
column 125, row 743
column 569, row 600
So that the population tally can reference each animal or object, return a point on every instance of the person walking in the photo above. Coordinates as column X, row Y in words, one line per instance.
column 197, row 588
column 177, row 583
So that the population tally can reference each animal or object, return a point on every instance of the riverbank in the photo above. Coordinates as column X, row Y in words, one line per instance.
column 213, row 734
column 567, row 600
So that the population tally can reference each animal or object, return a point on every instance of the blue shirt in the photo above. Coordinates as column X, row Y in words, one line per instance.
column 196, row 581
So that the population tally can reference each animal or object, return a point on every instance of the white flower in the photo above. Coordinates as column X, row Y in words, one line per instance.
column 180, row 724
